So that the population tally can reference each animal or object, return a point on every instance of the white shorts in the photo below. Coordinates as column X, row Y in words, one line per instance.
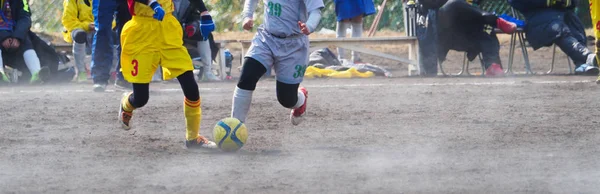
column 289, row 55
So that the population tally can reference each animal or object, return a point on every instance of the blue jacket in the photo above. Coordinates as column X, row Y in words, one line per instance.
column 545, row 23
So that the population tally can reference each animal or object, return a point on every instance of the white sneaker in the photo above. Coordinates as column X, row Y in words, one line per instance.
column 210, row 77
column 99, row 87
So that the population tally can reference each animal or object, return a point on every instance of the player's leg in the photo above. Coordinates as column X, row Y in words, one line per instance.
column 176, row 63
column 294, row 97
column 290, row 67
column 340, row 29
column 252, row 70
column 79, row 39
column 193, row 112
column 357, row 30
column 131, row 101
column 138, row 63
column 258, row 59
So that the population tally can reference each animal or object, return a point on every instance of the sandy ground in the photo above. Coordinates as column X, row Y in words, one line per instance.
column 399, row 135
column 523, row 134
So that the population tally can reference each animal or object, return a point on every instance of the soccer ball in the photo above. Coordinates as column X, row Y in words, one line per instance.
column 230, row 134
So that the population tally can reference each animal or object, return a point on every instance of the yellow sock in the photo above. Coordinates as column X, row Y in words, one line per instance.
column 126, row 104
column 193, row 116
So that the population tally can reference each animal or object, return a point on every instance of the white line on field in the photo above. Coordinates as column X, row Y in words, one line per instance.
column 321, row 86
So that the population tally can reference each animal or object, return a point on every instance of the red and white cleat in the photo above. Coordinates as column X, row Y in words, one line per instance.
column 506, row 26
column 494, row 70
column 296, row 115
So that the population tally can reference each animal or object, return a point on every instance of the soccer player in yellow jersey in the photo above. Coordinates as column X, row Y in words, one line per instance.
column 153, row 37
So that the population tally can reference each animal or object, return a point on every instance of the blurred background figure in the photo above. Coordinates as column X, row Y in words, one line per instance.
column 555, row 22
column 79, row 26
column 15, row 40
column 461, row 26
column 188, row 14
column 103, row 43
column 350, row 14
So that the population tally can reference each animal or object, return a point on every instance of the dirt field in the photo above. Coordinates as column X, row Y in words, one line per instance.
column 380, row 135
column 400, row 135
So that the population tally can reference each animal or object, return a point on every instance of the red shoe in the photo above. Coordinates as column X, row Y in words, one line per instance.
column 494, row 70
column 296, row 116
column 506, row 26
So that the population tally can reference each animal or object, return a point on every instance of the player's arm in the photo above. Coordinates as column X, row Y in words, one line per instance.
column 249, row 8
column 69, row 18
column 314, row 17
column 23, row 23
column 248, row 13
column 206, row 22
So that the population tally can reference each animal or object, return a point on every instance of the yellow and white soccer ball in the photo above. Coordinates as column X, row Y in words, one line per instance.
column 230, row 134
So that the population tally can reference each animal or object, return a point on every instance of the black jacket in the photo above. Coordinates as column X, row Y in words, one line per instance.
column 21, row 16
column 547, row 23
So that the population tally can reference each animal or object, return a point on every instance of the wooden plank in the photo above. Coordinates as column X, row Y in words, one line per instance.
column 382, row 40
column 378, row 54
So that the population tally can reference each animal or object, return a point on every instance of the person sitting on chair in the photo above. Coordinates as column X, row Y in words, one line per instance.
column 555, row 22
column 15, row 23
column 461, row 26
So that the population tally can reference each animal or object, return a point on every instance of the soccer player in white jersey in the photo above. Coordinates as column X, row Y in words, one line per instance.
column 280, row 42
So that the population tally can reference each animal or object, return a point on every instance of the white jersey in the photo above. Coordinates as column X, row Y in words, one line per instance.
column 281, row 16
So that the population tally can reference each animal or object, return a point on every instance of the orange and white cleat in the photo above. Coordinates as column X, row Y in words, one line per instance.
column 124, row 117
column 296, row 115
column 200, row 142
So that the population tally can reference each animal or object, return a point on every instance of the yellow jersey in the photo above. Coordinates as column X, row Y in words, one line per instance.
column 140, row 9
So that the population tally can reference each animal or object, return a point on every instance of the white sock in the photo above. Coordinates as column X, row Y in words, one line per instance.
column 241, row 103
column 1, row 64
column 32, row 61
column 341, row 33
column 357, row 29
column 205, row 55
column 79, row 55
column 301, row 99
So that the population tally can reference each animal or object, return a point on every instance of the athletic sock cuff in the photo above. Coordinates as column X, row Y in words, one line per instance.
column 192, row 104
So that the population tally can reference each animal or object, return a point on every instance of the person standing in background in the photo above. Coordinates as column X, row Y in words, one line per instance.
column 102, row 47
column 189, row 15
column 350, row 13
